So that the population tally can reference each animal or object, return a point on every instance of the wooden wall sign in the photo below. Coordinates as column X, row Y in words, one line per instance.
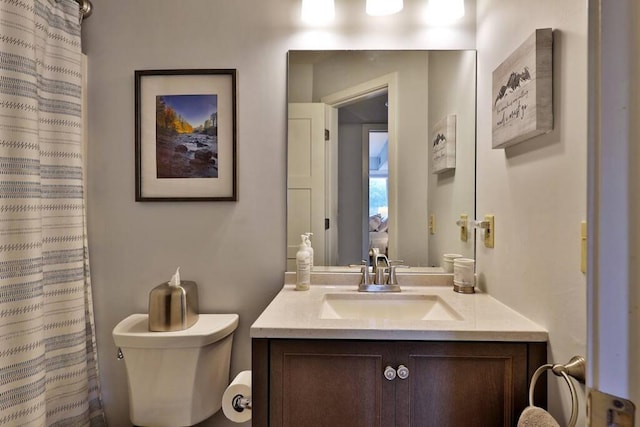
column 443, row 144
column 523, row 92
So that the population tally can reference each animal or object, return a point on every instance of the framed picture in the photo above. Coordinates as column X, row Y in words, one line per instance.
column 186, row 135
column 522, row 92
column 443, row 144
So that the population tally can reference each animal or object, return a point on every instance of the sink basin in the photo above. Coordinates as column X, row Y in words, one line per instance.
column 386, row 307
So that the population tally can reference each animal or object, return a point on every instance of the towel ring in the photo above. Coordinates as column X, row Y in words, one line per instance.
column 574, row 369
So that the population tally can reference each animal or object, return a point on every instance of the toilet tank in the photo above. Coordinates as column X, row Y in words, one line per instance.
column 176, row 378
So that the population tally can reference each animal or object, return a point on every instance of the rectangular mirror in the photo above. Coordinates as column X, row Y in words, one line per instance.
column 362, row 169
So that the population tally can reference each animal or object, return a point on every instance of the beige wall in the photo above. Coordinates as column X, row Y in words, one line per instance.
column 236, row 251
column 537, row 189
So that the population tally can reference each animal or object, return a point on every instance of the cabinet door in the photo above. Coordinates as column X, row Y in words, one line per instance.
column 462, row 384
column 329, row 383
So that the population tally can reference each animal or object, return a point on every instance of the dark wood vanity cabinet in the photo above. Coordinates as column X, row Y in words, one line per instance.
column 338, row 383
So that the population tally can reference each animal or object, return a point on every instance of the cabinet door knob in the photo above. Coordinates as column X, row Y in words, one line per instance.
column 390, row 373
column 403, row 372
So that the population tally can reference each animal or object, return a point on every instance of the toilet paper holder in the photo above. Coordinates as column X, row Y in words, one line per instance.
column 236, row 399
column 240, row 403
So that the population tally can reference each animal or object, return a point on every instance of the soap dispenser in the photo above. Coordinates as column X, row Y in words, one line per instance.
column 307, row 242
column 303, row 266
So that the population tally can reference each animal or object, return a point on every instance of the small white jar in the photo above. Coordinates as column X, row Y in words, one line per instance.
column 464, row 278
column 447, row 261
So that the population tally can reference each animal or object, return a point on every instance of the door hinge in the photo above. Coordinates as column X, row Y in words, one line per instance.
column 327, row 223
column 605, row 410
column 326, row 134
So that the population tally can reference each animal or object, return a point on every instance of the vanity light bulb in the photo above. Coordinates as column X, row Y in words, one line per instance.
column 445, row 11
column 383, row 7
column 317, row 12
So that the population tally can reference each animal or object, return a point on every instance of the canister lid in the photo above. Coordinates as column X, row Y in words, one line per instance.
column 133, row 332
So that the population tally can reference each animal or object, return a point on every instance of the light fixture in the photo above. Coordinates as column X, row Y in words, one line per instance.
column 445, row 11
column 318, row 12
column 383, row 7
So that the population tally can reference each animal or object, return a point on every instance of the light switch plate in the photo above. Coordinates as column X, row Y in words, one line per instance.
column 464, row 227
column 489, row 231
column 606, row 410
column 583, row 246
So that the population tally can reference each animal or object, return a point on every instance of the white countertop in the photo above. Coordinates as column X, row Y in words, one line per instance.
column 296, row 314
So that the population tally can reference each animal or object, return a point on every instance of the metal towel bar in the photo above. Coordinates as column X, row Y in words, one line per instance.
column 574, row 369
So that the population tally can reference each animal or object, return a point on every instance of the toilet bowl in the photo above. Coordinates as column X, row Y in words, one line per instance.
column 176, row 378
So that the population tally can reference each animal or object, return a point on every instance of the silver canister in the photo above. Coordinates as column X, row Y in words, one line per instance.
column 173, row 308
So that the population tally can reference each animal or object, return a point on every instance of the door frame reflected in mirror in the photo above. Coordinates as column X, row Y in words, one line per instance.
column 388, row 84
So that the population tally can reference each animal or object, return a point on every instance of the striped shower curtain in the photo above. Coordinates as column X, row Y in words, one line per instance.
column 48, row 366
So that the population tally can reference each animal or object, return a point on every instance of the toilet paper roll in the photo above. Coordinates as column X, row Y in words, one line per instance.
column 240, row 386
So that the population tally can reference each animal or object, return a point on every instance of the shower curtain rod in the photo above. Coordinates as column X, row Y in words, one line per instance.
column 85, row 8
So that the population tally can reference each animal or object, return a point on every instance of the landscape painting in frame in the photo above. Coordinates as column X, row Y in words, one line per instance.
column 443, row 144
column 522, row 92
column 186, row 135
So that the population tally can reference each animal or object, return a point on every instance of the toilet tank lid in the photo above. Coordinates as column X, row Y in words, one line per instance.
column 133, row 332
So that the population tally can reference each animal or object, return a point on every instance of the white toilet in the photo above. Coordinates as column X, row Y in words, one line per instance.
column 176, row 378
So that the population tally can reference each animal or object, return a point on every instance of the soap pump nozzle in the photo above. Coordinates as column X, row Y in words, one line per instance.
column 307, row 242
column 175, row 279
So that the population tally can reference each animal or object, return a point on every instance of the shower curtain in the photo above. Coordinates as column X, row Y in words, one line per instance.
column 48, row 366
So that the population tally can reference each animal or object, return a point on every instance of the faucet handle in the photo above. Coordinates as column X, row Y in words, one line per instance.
column 393, row 278
column 364, row 270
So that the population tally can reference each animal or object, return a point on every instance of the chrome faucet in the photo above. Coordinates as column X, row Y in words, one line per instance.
column 380, row 266
column 384, row 275
column 380, row 261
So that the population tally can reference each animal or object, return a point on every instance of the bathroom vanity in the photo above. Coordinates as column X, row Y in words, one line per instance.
column 426, row 356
